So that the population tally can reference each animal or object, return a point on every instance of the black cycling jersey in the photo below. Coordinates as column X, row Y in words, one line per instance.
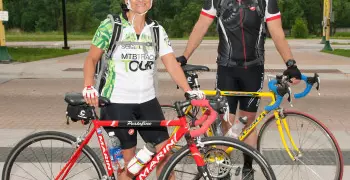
column 241, row 28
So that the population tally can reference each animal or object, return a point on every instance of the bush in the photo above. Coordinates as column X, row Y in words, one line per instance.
column 299, row 29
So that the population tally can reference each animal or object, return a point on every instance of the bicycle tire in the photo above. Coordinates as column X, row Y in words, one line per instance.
column 49, row 135
column 323, row 130
column 184, row 152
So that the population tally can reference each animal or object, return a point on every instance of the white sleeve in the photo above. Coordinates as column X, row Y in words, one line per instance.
column 272, row 11
column 209, row 9
column 164, row 43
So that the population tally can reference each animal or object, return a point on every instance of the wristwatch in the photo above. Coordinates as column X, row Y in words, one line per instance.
column 291, row 62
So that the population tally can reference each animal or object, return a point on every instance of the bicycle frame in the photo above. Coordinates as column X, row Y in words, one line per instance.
column 149, row 167
column 244, row 134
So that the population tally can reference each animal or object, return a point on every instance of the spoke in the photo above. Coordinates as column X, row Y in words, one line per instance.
column 51, row 162
column 310, row 169
column 62, row 148
column 305, row 131
column 22, row 177
column 316, row 141
column 79, row 172
column 39, row 162
column 308, row 136
column 185, row 172
column 25, row 170
column 77, row 163
column 42, row 148
column 33, row 165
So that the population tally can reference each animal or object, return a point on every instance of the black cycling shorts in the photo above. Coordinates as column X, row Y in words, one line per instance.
column 241, row 79
column 150, row 110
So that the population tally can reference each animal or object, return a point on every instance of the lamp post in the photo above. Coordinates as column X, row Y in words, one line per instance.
column 64, row 25
column 323, row 41
column 4, row 55
column 328, row 10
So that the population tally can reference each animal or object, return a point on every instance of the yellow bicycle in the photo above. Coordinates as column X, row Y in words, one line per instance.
column 297, row 145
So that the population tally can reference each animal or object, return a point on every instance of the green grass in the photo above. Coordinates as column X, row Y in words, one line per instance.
column 340, row 52
column 13, row 36
column 205, row 38
column 338, row 43
column 34, row 54
column 46, row 36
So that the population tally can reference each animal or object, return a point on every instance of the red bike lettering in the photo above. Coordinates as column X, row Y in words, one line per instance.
column 156, row 160
column 105, row 155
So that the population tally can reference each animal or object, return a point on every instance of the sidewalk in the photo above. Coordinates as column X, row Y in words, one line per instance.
column 306, row 52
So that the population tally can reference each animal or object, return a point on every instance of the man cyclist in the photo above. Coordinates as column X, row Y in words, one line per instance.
column 130, row 78
column 242, row 26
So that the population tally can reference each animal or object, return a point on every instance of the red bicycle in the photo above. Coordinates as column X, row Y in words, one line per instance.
column 57, row 155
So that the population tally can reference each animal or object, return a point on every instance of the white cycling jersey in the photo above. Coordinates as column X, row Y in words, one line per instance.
column 131, row 71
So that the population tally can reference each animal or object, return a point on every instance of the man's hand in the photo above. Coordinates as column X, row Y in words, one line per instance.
column 194, row 94
column 91, row 95
column 182, row 60
column 292, row 72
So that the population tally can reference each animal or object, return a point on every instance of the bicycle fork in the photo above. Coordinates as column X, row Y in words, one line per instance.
column 281, row 119
column 201, row 165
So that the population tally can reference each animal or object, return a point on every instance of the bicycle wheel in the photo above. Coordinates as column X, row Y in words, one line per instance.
column 320, row 156
column 220, row 164
column 42, row 155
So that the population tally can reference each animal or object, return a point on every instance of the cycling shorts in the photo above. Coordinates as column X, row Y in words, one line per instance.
column 241, row 79
column 149, row 110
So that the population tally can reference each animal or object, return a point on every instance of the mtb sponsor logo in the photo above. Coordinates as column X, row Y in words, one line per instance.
column 156, row 160
column 138, row 65
column 104, row 152
column 138, row 123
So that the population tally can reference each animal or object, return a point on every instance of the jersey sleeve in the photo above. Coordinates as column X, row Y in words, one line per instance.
column 272, row 11
column 164, row 43
column 103, row 35
column 209, row 9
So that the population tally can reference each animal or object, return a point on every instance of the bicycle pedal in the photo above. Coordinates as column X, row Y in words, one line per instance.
column 238, row 171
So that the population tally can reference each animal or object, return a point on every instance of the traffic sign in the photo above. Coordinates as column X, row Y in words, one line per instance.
column 4, row 15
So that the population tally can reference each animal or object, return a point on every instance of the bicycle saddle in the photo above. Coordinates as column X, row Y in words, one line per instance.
column 190, row 67
column 77, row 99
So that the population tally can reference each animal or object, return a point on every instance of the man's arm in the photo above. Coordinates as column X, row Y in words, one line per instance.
column 278, row 37
column 197, row 34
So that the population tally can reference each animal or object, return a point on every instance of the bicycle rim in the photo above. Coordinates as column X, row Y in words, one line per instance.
column 320, row 157
column 43, row 155
column 220, row 166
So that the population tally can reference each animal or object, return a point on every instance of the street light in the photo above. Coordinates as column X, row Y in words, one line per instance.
column 327, row 18
column 4, row 55
column 64, row 25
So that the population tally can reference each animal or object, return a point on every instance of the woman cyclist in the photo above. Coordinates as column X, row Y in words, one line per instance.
column 130, row 78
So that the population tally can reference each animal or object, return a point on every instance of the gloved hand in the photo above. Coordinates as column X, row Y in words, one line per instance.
column 91, row 95
column 194, row 94
column 182, row 60
column 292, row 71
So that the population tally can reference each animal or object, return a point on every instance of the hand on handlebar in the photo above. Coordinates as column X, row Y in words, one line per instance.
column 280, row 87
column 195, row 94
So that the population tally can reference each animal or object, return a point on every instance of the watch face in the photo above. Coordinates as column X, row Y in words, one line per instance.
column 290, row 63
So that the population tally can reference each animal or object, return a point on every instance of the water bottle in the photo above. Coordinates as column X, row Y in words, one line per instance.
column 115, row 152
column 237, row 127
column 141, row 158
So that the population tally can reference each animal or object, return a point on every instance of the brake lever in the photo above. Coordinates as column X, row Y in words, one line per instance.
column 318, row 81
column 290, row 96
